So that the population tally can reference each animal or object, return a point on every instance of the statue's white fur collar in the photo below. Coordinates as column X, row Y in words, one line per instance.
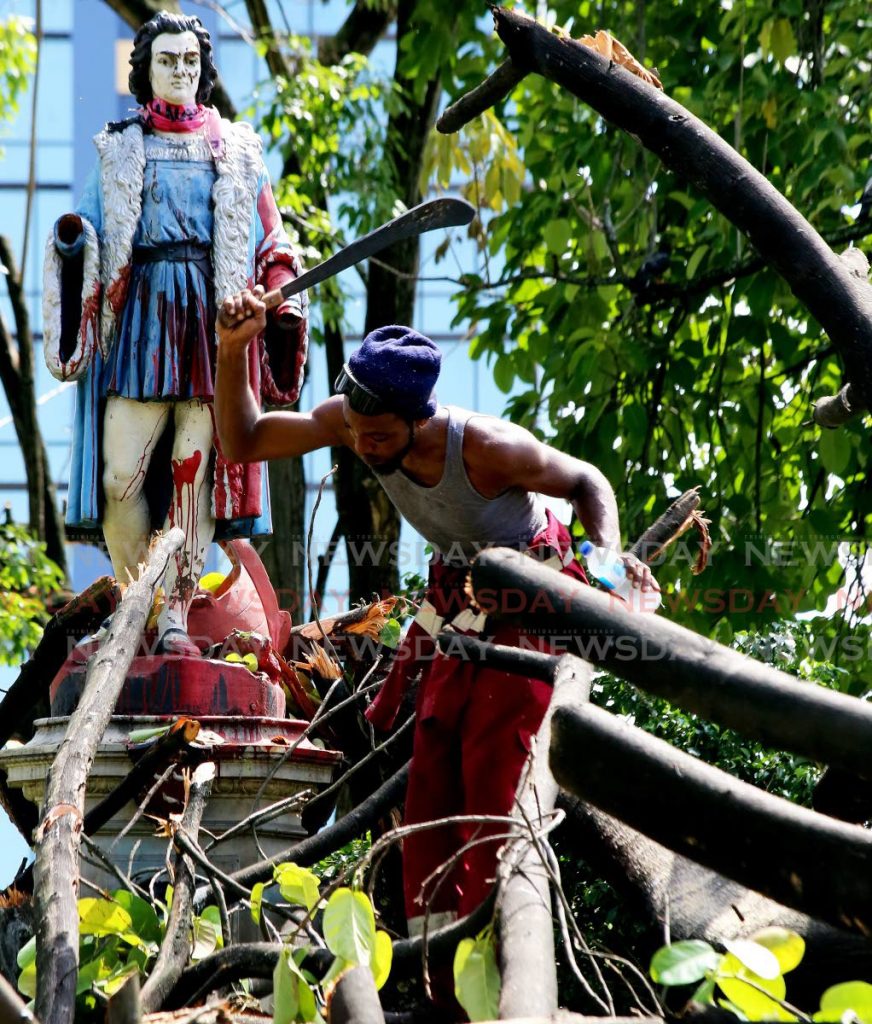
column 122, row 171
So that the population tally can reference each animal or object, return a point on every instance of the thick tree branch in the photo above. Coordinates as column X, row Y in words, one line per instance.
column 813, row 863
column 685, row 668
column 355, row 999
column 362, row 29
column 58, row 837
column 492, row 90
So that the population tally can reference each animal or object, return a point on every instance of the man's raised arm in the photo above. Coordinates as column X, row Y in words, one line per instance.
column 246, row 433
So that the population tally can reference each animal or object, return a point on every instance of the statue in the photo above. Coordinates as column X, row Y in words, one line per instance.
column 178, row 214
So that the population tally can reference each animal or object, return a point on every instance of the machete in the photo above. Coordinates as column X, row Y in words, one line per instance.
column 437, row 213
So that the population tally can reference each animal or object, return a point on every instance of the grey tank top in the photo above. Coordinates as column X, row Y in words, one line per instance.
column 453, row 516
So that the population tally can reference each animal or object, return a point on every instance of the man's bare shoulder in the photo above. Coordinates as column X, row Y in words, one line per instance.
column 329, row 419
column 486, row 435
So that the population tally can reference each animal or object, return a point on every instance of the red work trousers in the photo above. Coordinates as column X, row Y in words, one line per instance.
column 472, row 737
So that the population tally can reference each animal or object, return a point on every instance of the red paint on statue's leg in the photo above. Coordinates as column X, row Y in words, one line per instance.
column 185, row 476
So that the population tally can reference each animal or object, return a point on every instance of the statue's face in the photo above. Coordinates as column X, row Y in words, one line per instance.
column 175, row 67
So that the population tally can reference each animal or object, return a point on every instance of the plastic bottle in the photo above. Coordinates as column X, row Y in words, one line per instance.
column 608, row 567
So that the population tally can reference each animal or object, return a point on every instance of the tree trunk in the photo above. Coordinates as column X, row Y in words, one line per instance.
column 283, row 553
column 17, row 378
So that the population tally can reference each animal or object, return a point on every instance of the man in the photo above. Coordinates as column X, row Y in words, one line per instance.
column 178, row 213
column 464, row 481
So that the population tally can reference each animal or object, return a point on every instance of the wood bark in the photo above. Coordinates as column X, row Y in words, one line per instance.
column 841, row 304
column 59, row 834
column 812, row 863
column 492, row 90
column 534, row 664
column 13, row 1009
column 176, row 946
column 693, row 902
column 685, row 668
column 125, row 1007
column 281, row 553
column 662, row 531
column 355, row 999
column 526, row 926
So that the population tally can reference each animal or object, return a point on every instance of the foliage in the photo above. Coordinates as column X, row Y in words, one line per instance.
column 477, row 976
column 350, row 933
column 118, row 936
column 615, row 301
column 27, row 579
column 17, row 61
column 748, row 979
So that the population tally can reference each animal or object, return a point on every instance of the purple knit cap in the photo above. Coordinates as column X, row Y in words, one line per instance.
column 401, row 366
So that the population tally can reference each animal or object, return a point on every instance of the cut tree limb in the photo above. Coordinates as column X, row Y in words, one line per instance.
column 355, row 999
column 840, row 302
column 492, row 90
column 685, row 668
column 812, row 863
column 56, row 874
column 526, row 926
column 176, row 946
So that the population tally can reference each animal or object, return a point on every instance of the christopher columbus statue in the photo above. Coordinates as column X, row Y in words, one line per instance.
column 177, row 215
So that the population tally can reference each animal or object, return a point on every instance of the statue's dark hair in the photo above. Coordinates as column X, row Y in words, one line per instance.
column 140, row 58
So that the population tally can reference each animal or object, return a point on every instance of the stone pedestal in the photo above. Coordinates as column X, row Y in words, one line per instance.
column 252, row 748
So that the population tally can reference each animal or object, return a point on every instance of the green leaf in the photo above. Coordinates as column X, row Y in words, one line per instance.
column 782, row 40
column 755, row 957
column 696, row 258
column 477, row 977
column 390, row 634
column 297, row 885
column 256, row 901
column 27, row 963
column 835, row 450
column 556, row 235
column 382, row 957
column 144, row 920
column 349, row 926
column 286, row 992
column 683, row 963
column 206, row 937
column 104, row 917
column 855, row 996
column 733, row 980
column 787, row 946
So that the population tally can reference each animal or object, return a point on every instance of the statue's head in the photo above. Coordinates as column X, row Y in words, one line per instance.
column 172, row 60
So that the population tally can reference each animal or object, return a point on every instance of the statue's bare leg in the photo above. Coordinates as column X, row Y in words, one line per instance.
column 130, row 432
column 191, row 510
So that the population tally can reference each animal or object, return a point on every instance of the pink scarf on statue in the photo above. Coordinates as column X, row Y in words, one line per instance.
column 169, row 117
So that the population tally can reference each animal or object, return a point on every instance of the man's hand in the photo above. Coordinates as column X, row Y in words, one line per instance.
column 240, row 318
column 638, row 573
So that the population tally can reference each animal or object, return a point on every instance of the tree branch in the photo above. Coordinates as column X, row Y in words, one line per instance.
column 58, row 837
column 362, row 29
column 176, row 946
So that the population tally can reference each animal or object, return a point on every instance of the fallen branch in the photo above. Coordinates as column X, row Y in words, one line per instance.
column 355, row 999
column 59, row 834
column 812, row 863
column 176, row 946
column 526, row 926
column 685, row 668
column 518, row 660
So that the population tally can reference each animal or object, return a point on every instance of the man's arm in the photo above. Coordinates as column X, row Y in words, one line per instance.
column 246, row 433
column 500, row 455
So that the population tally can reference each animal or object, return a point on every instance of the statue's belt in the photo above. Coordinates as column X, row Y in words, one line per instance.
column 176, row 252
